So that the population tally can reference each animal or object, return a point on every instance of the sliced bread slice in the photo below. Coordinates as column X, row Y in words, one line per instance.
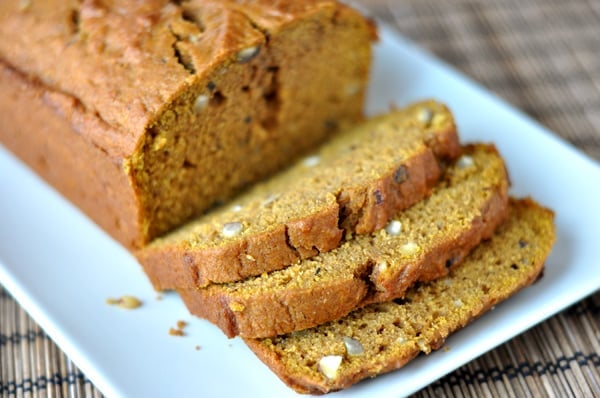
column 355, row 182
column 421, row 242
column 382, row 337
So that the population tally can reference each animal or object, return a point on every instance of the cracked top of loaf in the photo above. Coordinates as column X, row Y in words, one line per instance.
column 99, row 53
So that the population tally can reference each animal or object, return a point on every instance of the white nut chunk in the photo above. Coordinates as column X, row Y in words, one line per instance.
column 353, row 346
column 382, row 266
column 465, row 161
column 394, row 228
column 201, row 102
column 247, row 54
column 231, row 229
column 311, row 161
column 425, row 115
column 329, row 365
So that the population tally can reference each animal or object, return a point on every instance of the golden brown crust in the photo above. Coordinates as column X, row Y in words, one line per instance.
column 394, row 333
column 271, row 314
column 125, row 78
column 115, row 36
column 263, row 307
column 83, row 173
column 258, row 253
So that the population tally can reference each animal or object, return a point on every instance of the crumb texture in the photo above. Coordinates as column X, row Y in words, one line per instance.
column 436, row 234
column 392, row 333
column 354, row 183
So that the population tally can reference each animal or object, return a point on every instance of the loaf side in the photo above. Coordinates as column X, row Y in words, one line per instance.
column 188, row 101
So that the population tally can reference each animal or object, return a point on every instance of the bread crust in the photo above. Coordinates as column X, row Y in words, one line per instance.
column 489, row 283
column 36, row 124
column 140, row 88
column 265, row 312
column 238, row 260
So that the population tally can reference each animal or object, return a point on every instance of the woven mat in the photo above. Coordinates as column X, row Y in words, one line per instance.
column 539, row 55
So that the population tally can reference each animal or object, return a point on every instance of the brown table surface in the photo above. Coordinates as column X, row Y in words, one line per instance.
column 543, row 56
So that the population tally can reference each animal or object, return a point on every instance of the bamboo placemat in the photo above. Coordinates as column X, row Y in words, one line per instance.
column 539, row 55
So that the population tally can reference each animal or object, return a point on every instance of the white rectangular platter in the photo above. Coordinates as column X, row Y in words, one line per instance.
column 62, row 268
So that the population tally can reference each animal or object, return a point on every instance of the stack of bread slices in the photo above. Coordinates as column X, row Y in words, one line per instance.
column 355, row 259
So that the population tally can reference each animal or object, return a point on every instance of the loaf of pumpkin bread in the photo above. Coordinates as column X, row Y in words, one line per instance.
column 382, row 337
column 420, row 243
column 353, row 184
column 146, row 113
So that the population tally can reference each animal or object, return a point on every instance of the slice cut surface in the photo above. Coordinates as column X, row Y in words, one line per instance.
column 420, row 243
column 354, row 183
column 382, row 337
